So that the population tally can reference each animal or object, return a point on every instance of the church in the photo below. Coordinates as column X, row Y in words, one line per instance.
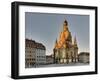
column 65, row 49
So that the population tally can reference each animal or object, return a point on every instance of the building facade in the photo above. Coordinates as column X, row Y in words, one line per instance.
column 49, row 59
column 34, row 53
column 65, row 51
column 84, row 57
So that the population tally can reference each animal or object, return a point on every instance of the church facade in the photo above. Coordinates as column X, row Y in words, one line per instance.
column 65, row 49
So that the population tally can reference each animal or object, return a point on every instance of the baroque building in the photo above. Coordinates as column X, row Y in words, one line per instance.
column 84, row 57
column 35, row 53
column 65, row 49
column 49, row 59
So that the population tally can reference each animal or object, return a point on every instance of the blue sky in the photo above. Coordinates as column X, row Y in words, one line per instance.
column 46, row 27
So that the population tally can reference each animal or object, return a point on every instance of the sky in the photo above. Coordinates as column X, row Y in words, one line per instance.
column 45, row 28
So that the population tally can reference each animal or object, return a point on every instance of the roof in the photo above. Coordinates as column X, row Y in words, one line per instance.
column 33, row 44
column 84, row 53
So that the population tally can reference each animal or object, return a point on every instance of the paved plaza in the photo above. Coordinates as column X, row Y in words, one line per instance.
column 60, row 65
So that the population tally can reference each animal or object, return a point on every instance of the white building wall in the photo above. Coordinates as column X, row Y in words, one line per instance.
column 40, row 56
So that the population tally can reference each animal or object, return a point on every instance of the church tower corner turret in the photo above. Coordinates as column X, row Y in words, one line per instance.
column 75, row 42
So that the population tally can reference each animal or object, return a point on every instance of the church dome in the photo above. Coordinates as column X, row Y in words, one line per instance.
column 64, row 36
